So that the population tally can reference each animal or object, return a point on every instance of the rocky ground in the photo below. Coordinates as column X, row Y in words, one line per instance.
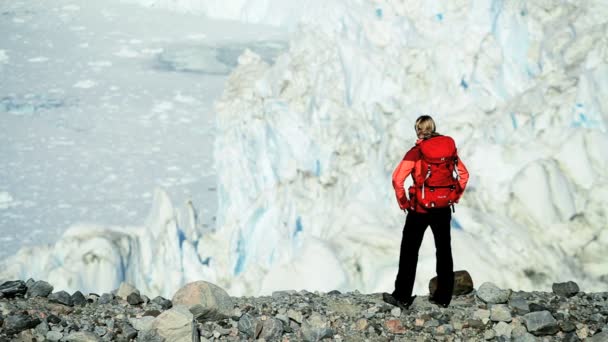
column 31, row 311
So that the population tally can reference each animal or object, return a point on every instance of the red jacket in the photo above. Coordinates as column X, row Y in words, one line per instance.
column 411, row 165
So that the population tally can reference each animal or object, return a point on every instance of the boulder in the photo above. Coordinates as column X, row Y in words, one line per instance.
column 463, row 283
column 567, row 289
column 125, row 289
column 40, row 289
column 492, row 294
column 17, row 323
column 61, row 297
column 10, row 289
column 209, row 300
column 541, row 323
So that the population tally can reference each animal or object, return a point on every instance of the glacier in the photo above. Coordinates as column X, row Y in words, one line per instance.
column 305, row 148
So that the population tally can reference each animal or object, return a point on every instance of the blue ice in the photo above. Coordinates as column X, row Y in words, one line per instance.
column 456, row 225
column 439, row 16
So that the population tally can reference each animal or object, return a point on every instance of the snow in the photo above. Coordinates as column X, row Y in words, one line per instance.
column 307, row 137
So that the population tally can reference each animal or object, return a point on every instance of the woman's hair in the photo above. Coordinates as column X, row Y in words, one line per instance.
column 425, row 127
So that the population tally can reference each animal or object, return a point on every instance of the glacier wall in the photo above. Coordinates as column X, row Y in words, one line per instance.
column 305, row 149
column 306, row 146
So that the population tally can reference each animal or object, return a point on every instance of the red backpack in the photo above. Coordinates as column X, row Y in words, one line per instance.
column 438, row 186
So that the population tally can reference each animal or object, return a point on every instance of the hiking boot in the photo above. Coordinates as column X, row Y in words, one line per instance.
column 403, row 304
column 438, row 302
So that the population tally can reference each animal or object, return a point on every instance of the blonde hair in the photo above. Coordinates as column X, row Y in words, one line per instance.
column 425, row 127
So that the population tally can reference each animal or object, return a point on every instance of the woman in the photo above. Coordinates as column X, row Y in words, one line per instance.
column 422, row 212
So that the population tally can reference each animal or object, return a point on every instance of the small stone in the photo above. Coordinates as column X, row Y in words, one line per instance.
column 17, row 323
column 567, row 326
column 11, row 289
column 503, row 329
column 78, row 298
column 40, row 289
column 490, row 293
column 582, row 332
column 53, row 319
column 500, row 313
column 519, row 305
column 334, row 293
column 361, row 324
column 153, row 313
column 482, row 315
column 164, row 303
column 316, row 327
column 535, row 307
column 54, row 336
column 599, row 337
column 125, row 289
column 100, row 331
column 489, row 334
column 419, row 322
column 134, row 299
column 475, row 324
column 394, row 326
column 106, row 298
column 567, row 289
column 128, row 331
column 144, row 323
column 92, row 298
column 42, row 328
column 445, row 329
column 82, row 336
column 541, row 323
column 295, row 315
column 396, row 312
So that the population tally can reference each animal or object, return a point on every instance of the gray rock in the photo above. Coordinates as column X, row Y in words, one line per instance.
column 82, row 336
column 500, row 313
column 541, row 323
column 149, row 336
column 334, row 293
column 29, row 282
column 145, row 299
column 295, row 315
column 567, row 326
column 247, row 325
column 490, row 293
column 128, row 331
column 272, row 329
column 11, row 289
column 283, row 294
column 567, row 289
column 571, row 337
column 15, row 324
column 208, row 295
column 503, row 329
column 54, row 336
column 40, row 289
column 175, row 324
column 165, row 304
column 53, row 319
column 489, row 334
column 599, row 337
column 125, row 289
column 100, row 331
column 61, row 297
column 519, row 305
column 78, row 298
column 106, row 298
column 153, row 313
column 42, row 328
column 316, row 327
column 144, row 323
column 134, row 299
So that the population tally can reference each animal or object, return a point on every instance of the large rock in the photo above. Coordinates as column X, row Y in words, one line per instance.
column 162, row 302
column 272, row 329
column 175, row 325
column 541, row 323
column 212, row 298
column 10, row 289
column 61, row 297
column 492, row 294
column 17, row 323
column 463, row 283
column 567, row 289
column 78, row 298
column 247, row 325
column 500, row 313
column 316, row 327
column 40, row 289
column 125, row 289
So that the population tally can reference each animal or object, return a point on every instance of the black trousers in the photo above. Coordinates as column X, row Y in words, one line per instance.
column 413, row 232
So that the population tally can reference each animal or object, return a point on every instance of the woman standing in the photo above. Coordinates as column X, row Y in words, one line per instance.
column 439, row 179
